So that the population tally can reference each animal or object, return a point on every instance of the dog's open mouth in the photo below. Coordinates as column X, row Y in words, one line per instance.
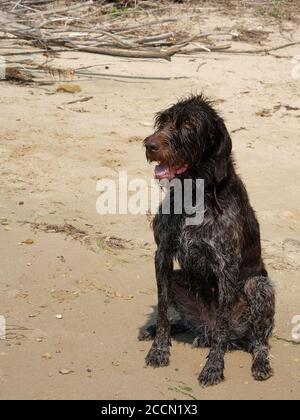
column 165, row 172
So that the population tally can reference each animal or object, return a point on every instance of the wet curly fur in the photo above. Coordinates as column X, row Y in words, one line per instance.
column 222, row 291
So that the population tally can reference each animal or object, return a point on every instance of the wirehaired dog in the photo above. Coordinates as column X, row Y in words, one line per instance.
column 222, row 291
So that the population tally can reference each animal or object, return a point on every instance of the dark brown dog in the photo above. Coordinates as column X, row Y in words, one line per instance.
column 222, row 291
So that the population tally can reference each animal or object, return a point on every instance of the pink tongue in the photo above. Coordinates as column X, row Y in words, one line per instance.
column 163, row 172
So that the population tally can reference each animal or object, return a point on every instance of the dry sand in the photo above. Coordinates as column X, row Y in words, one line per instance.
column 99, row 274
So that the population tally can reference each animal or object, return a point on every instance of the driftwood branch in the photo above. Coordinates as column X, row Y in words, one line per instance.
column 50, row 29
column 166, row 55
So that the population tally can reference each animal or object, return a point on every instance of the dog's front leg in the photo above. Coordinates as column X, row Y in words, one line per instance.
column 159, row 355
column 213, row 372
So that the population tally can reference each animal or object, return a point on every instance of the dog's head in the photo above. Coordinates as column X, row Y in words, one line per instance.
column 189, row 136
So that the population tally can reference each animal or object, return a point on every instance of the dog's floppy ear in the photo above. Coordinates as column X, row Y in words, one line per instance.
column 223, row 152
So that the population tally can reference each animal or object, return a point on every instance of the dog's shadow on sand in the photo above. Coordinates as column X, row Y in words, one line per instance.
column 186, row 338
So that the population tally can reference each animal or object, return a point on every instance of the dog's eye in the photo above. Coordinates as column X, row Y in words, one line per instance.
column 187, row 125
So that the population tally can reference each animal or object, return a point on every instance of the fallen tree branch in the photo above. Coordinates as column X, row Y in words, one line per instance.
column 166, row 55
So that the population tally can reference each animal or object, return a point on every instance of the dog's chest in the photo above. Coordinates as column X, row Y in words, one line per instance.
column 200, row 247
column 192, row 242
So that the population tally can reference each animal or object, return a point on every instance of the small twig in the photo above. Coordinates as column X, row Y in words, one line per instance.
column 285, row 340
column 84, row 99
column 121, row 42
column 36, row 52
column 148, row 24
column 153, row 38
column 263, row 50
column 122, row 76
column 220, row 48
column 64, row 9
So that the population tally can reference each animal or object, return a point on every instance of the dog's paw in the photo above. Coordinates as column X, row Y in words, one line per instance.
column 261, row 369
column 200, row 342
column 158, row 357
column 211, row 375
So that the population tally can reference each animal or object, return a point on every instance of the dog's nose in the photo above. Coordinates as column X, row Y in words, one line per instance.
column 152, row 145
